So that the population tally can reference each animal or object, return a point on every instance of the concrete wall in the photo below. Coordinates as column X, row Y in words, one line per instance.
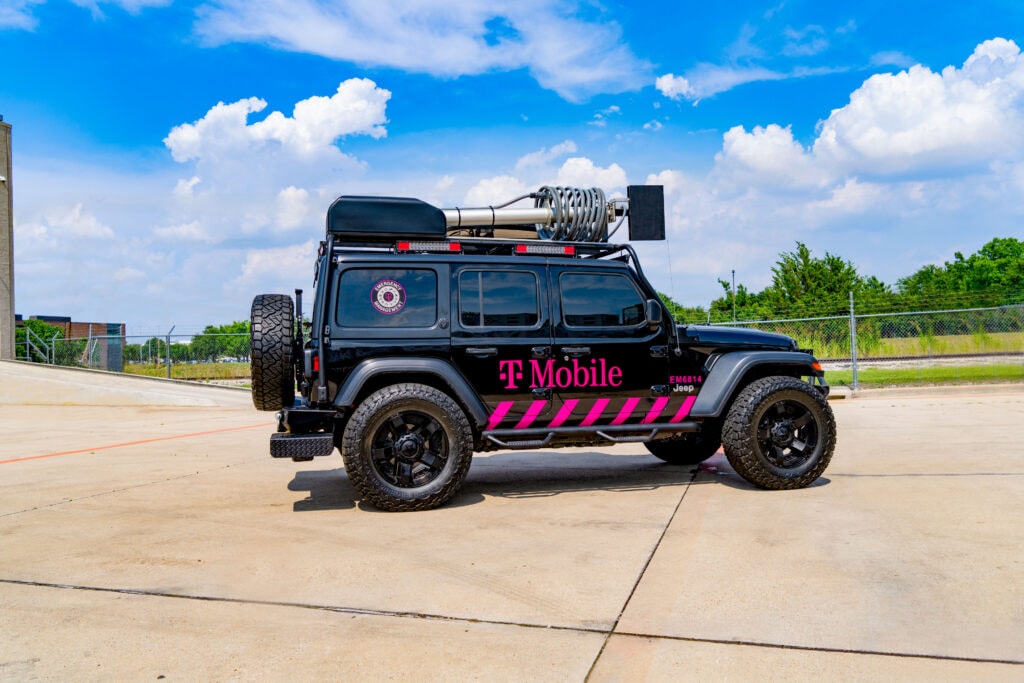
column 6, row 246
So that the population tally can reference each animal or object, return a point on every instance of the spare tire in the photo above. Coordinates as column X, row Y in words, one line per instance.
column 271, row 336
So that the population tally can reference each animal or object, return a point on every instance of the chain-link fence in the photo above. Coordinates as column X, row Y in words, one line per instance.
column 963, row 345
column 921, row 347
column 203, row 357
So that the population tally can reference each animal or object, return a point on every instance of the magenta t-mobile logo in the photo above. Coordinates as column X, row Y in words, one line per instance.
column 510, row 371
column 595, row 374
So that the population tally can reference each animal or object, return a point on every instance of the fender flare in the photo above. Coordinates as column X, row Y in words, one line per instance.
column 373, row 367
column 729, row 370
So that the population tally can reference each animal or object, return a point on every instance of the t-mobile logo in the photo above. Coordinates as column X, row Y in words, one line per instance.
column 511, row 372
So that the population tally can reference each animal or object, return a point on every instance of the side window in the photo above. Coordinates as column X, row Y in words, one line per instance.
column 498, row 299
column 600, row 300
column 392, row 297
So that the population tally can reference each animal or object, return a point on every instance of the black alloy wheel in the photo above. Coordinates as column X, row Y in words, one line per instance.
column 409, row 449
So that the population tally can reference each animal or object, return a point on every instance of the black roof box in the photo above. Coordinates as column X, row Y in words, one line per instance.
column 369, row 218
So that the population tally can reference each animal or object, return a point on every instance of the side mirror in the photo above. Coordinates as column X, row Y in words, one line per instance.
column 653, row 313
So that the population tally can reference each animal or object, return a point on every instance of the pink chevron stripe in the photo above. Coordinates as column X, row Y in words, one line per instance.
column 684, row 410
column 564, row 413
column 536, row 408
column 595, row 412
column 655, row 413
column 626, row 411
column 499, row 414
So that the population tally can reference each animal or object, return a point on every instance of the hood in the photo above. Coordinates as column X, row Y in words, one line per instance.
column 734, row 337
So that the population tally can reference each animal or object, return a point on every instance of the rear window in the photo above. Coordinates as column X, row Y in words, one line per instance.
column 391, row 297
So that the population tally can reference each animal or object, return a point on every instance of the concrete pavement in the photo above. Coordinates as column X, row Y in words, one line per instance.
column 146, row 532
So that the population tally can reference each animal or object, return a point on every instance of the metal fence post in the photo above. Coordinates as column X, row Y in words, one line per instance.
column 853, row 343
column 169, row 350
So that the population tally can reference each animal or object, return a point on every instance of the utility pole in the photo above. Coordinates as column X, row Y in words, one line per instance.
column 734, row 295
column 6, row 246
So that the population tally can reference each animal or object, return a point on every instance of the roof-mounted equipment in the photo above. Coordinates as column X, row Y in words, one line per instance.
column 563, row 214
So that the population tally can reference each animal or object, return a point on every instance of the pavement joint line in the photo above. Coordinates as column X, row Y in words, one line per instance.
column 643, row 570
column 133, row 443
column 398, row 614
column 830, row 650
column 927, row 474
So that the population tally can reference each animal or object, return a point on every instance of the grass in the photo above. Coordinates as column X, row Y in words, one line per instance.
column 954, row 374
column 990, row 342
column 196, row 371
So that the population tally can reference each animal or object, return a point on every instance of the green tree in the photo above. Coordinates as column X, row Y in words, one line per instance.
column 992, row 276
column 803, row 285
column 684, row 314
column 746, row 304
column 218, row 341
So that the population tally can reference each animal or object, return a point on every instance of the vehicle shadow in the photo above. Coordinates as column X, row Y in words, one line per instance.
column 327, row 490
column 538, row 474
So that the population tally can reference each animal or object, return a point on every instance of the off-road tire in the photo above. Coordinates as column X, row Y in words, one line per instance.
column 779, row 433
column 271, row 337
column 388, row 460
column 689, row 448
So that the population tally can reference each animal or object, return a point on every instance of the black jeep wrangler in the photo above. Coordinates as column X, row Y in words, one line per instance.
column 431, row 340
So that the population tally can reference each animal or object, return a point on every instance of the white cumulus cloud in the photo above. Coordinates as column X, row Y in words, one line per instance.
column 292, row 207
column 674, row 87
column 767, row 154
column 918, row 119
column 582, row 172
column 357, row 107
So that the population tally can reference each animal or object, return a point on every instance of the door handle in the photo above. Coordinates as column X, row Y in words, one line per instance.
column 576, row 351
column 482, row 351
column 540, row 351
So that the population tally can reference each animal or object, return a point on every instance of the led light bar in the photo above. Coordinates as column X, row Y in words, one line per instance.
column 445, row 246
column 546, row 249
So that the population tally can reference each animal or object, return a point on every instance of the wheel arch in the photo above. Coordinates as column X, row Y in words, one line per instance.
column 733, row 371
column 376, row 373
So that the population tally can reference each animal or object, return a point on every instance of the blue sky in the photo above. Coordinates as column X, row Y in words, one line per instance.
column 173, row 159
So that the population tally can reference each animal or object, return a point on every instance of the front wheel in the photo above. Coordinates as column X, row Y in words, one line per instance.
column 779, row 433
column 407, row 447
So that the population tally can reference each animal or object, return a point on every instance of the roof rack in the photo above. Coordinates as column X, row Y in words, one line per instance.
column 483, row 246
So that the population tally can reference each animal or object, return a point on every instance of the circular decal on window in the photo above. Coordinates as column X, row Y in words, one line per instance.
column 388, row 297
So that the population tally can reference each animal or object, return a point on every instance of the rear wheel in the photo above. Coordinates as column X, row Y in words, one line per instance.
column 691, row 448
column 779, row 433
column 407, row 447
column 271, row 337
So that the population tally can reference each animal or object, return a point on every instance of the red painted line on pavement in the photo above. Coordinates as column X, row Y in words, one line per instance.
column 134, row 443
